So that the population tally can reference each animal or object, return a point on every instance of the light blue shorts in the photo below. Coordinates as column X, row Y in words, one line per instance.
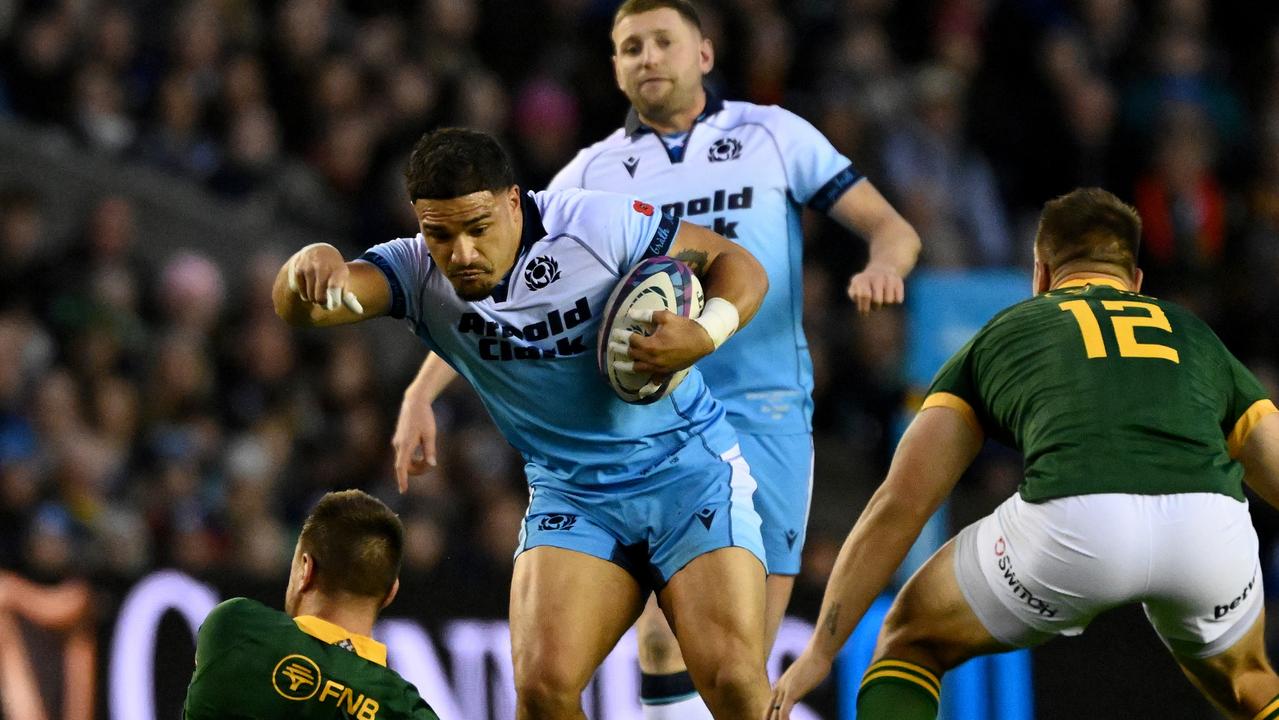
column 782, row 465
column 691, row 504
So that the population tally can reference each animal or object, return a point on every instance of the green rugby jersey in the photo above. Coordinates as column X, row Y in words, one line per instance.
column 255, row 662
column 1107, row 391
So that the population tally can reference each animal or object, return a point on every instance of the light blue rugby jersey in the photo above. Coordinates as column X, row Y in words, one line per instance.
column 529, row 348
column 744, row 171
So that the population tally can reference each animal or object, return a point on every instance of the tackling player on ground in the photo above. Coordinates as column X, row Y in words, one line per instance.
column 316, row 660
column 747, row 171
column 625, row 500
column 1138, row 428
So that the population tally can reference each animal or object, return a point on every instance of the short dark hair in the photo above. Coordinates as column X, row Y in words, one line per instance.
column 452, row 162
column 1089, row 225
column 355, row 543
column 635, row 7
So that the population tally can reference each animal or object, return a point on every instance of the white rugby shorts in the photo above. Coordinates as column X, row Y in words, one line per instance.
column 1031, row 571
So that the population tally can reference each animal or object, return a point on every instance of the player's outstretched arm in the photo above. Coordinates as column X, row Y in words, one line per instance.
column 1260, row 458
column 734, row 283
column 894, row 246
column 414, row 439
column 317, row 288
column 933, row 454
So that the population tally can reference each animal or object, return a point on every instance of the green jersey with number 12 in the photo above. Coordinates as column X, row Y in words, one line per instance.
column 1107, row 391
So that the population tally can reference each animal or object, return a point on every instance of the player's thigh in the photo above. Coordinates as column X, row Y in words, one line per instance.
column 931, row 622
column 659, row 652
column 568, row 610
column 1239, row 680
column 782, row 466
column 715, row 605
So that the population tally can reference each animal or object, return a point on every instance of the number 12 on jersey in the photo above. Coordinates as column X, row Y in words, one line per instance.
column 1124, row 328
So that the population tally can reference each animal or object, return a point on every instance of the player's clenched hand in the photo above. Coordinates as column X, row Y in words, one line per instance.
column 414, row 439
column 319, row 275
column 674, row 344
column 876, row 286
column 806, row 673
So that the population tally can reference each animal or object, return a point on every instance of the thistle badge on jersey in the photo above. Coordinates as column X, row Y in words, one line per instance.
column 725, row 148
column 541, row 272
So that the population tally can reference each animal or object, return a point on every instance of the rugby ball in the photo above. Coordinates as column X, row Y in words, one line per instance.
column 657, row 283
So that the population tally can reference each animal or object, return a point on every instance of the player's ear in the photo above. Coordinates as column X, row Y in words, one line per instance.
column 395, row 589
column 706, row 55
column 306, row 572
column 1137, row 277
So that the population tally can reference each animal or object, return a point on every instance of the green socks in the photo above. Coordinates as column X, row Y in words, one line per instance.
column 900, row 690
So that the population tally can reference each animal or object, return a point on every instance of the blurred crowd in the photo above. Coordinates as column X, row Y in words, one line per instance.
column 155, row 413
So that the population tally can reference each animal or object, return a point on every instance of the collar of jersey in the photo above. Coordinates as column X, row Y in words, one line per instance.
column 533, row 231
column 635, row 126
column 327, row 632
column 1116, row 284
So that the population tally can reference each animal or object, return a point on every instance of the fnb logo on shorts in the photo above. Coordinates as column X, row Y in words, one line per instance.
column 1005, row 564
column 1220, row 611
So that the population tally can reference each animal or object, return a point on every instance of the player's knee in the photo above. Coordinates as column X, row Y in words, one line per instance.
column 905, row 639
column 1251, row 680
column 546, row 694
column 546, row 682
column 733, row 680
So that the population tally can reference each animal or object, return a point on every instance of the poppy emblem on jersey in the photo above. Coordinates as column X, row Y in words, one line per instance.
column 631, row 164
column 541, row 272
column 1000, row 547
column 296, row 677
column 643, row 208
column 557, row 521
column 726, row 148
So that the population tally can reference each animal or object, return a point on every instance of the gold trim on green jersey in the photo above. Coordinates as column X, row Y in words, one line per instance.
column 954, row 402
column 1245, row 424
column 1108, row 282
column 325, row 631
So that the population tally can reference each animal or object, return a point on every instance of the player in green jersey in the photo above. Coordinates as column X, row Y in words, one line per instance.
column 316, row 659
column 1138, row 429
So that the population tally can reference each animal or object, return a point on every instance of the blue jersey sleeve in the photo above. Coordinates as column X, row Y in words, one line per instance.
column 816, row 172
column 620, row 229
column 405, row 263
